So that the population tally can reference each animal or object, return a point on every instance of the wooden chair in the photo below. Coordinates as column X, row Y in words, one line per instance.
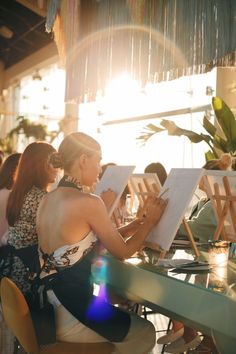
column 18, row 318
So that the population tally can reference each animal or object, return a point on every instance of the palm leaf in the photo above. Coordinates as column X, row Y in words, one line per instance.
column 148, row 132
column 210, row 128
column 173, row 129
column 226, row 120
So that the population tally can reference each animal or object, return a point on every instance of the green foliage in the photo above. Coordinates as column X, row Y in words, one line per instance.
column 220, row 140
column 29, row 129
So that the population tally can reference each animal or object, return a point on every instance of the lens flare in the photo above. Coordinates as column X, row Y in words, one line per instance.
column 100, row 310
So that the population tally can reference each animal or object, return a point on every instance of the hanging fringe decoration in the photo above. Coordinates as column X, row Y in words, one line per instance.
column 71, row 21
column 59, row 38
column 52, row 8
column 66, row 28
column 137, row 10
column 41, row 4
column 153, row 40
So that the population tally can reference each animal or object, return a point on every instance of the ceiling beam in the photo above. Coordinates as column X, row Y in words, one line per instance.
column 33, row 6
column 175, row 112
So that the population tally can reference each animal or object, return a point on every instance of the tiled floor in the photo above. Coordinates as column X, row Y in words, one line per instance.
column 161, row 323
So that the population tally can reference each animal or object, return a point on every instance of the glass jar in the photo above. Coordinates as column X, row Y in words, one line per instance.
column 218, row 253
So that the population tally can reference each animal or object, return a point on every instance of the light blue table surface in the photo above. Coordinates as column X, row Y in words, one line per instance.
column 205, row 301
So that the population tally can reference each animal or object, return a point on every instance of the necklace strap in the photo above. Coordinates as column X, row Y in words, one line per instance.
column 68, row 181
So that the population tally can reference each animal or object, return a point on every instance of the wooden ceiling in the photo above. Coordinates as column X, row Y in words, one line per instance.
column 26, row 23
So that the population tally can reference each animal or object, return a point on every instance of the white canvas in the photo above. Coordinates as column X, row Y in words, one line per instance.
column 115, row 178
column 180, row 185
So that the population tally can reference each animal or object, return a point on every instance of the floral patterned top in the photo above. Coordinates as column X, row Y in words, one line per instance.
column 23, row 234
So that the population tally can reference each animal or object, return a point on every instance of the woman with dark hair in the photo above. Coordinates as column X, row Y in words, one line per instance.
column 33, row 175
column 7, row 172
column 1, row 157
column 159, row 169
column 69, row 248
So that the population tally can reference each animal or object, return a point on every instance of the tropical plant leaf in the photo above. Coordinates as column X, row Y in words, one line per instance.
column 209, row 155
column 173, row 129
column 148, row 132
column 220, row 143
column 226, row 120
column 210, row 128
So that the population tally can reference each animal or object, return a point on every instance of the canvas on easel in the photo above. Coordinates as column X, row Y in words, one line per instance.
column 179, row 188
column 114, row 178
column 221, row 190
column 143, row 184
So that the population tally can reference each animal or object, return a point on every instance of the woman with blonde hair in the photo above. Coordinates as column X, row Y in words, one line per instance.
column 70, row 225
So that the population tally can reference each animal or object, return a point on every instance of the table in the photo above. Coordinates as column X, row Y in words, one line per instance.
column 206, row 301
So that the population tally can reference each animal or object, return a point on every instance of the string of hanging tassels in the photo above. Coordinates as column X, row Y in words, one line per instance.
column 52, row 8
column 153, row 40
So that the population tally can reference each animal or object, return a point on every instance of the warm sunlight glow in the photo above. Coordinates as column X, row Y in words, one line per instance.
column 122, row 86
column 120, row 95
column 124, row 98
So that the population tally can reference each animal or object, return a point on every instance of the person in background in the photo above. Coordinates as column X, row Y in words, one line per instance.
column 1, row 157
column 33, row 175
column 202, row 220
column 203, row 223
column 159, row 169
column 69, row 249
column 7, row 172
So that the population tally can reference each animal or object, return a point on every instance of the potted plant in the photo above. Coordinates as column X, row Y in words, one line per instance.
column 28, row 129
column 220, row 138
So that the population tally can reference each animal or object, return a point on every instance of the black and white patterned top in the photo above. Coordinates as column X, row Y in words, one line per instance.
column 24, row 234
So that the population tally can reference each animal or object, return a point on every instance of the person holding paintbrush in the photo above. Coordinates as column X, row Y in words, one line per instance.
column 203, row 223
column 68, row 249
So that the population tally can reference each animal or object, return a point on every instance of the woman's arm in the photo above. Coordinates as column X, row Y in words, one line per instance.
column 99, row 221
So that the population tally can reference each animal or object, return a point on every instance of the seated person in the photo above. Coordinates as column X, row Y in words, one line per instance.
column 159, row 169
column 203, row 224
column 202, row 220
column 7, row 172
column 70, row 225
column 33, row 176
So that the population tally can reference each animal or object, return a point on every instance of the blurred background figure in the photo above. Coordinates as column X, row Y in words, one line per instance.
column 7, row 172
column 1, row 157
column 159, row 169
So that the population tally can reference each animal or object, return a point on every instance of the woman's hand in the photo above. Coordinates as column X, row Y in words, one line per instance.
column 130, row 228
column 108, row 196
column 154, row 208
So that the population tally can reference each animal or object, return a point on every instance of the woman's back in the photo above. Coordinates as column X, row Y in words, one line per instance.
column 69, row 225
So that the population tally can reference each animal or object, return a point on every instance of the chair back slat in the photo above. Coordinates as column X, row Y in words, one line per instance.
column 17, row 316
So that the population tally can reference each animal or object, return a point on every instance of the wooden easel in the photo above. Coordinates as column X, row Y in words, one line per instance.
column 144, row 184
column 223, row 203
column 143, row 190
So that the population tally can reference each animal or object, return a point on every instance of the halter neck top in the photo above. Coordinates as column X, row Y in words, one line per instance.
column 66, row 256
